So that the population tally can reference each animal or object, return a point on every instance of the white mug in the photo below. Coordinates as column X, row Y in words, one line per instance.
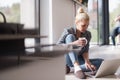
column 83, row 38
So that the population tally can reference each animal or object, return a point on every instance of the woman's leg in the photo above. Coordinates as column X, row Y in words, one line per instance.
column 71, row 57
column 114, row 34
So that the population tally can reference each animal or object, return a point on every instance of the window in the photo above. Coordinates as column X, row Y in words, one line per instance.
column 24, row 12
column 19, row 11
column 93, row 27
column 114, row 11
column 11, row 9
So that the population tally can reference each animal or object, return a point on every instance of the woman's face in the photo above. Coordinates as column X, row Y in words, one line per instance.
column 82, row 25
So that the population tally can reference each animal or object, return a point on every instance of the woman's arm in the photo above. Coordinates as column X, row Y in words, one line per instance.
column 78, row 42
column 85, row 56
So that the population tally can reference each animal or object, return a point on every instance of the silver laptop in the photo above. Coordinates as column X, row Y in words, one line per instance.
column 108, row 67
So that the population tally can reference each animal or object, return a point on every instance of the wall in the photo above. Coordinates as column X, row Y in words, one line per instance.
column 63, row 16
column 55, row 15
column 44, row 19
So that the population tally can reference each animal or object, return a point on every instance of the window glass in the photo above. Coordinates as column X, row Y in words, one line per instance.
column 114, row 6
column 11, row 9
column 21, row 11
column 114, row 11
column 93, row 27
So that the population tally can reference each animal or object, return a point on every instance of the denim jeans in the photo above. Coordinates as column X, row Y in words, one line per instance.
column 114, row 33
column 72, row 56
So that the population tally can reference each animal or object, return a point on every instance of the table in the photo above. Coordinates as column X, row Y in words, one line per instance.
column 52, row 50
column 15, row 43
column 19, row 36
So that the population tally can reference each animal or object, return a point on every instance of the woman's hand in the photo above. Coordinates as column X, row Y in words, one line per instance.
column 90, row 66
column 81, row 42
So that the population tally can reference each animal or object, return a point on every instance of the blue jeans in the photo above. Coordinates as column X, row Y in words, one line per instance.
column 114, row 33
column 72, row 56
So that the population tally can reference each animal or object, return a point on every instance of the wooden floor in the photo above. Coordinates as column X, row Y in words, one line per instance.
column 104, row 52
column 33, row 68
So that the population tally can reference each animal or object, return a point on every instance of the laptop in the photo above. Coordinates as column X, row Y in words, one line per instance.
column 108, row 67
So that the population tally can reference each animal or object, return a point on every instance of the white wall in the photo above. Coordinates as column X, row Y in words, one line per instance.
column 44, row 20
column 55, row 16
column 63, row 16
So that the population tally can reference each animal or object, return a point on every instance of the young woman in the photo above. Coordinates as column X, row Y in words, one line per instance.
column 79, row 36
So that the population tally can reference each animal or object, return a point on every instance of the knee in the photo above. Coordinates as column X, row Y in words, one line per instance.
column 70, row 36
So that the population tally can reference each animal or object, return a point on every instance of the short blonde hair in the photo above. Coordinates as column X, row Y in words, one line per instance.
column 81, row 15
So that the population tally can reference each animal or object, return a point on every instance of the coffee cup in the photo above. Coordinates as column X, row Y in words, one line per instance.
column 83, row 38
